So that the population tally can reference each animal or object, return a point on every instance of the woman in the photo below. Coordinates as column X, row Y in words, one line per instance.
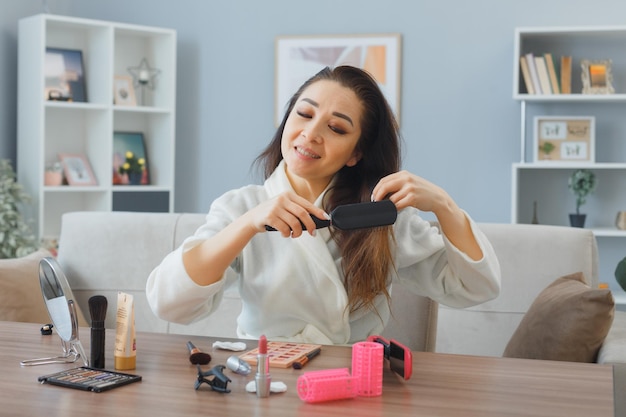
column 338, row 143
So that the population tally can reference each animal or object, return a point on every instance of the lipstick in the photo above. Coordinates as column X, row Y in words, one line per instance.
column 263, row 379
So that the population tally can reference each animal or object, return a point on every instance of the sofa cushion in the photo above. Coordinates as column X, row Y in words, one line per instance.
column 568, row 321
column 20, row 291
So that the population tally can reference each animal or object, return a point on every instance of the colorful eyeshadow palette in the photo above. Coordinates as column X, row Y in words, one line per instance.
column 282, row 354
column 89, row 379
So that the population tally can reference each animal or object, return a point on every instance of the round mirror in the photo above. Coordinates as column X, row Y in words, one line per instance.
column 56, row 294
column 61, row 306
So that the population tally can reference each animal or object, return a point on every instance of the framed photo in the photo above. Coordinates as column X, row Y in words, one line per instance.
column 300, row 57
column 564, row 139
column 138, row 172
column 64, row 75
column 77, row 169
column 597, row 77
column 123, row 91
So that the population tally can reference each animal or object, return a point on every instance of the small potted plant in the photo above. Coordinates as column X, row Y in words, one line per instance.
column 547, row 148
column 133, row 167
column 582, row 182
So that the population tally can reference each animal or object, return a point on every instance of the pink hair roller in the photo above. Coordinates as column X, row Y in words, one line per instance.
column 367, row 368
column 326, row 385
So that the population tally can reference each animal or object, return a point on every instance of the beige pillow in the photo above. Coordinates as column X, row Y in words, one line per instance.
column 568, row 321
column 20, row 291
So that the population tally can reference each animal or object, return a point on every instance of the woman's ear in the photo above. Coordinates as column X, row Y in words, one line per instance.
column 354, row 159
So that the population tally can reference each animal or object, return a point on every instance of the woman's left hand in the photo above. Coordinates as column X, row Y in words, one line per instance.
column 406, row 189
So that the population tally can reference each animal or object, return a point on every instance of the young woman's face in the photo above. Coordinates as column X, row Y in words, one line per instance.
column 321, row 134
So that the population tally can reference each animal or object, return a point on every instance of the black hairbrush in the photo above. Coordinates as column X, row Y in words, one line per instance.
column 358, row 216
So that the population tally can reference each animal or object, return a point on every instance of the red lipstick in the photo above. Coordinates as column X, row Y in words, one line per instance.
column 263, row 378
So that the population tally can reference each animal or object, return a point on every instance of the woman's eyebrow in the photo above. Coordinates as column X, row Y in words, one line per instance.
column 341, row 115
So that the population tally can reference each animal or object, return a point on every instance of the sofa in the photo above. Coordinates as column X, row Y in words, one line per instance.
column 106, row 252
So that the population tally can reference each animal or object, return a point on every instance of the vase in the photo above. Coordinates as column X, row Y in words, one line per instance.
column 577, row 220
column 535, row 219
column 53, row 178
column 134, row 178
column 620, row 221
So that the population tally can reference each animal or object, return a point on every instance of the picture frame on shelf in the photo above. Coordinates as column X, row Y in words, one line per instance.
column 562, row 139
column 123, row 91
column 134, row 142
column 77, row 169
column 64, row 75
column 597, row 76
column 300, row 57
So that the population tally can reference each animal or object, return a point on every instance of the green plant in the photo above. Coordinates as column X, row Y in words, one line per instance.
column 582, row 182
column 16, row 238
column 132, row 164
column 546, row 148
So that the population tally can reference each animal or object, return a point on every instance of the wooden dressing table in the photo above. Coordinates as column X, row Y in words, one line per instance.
column 442, row 384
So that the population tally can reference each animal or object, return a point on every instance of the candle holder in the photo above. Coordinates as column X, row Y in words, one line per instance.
column 144, row 77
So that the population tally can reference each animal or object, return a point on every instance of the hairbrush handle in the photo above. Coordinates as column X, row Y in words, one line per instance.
column 319, row 224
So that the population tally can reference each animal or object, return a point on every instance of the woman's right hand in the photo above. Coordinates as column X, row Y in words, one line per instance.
column 286, row 213
column 206, row 262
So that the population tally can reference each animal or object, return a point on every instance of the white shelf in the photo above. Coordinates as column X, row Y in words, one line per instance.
column 608, row 232
column 546, row 182
column 571, row 98
column 47, row 128
column 570, row 165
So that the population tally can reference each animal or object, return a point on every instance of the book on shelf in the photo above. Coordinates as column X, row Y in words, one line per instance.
column 542, row 73
column 566, row 74
column 528, row 82
column 554, row 80
column 532, row 68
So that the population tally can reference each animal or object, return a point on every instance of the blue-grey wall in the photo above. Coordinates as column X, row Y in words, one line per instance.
column 459, row 121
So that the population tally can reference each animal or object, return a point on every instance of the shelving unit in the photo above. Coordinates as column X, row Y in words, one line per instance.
column 546, row 183
column 47, row 128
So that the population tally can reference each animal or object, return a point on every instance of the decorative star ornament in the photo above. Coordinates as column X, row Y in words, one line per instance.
column 143, row 74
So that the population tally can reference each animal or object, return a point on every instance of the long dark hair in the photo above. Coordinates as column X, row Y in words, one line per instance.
column 366, row 254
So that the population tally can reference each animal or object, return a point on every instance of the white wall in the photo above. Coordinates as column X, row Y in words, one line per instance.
column 459, row 120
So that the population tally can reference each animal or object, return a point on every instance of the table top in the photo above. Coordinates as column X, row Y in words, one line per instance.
column 442, row 384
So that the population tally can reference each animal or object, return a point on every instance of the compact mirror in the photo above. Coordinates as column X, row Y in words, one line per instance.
column 61, row 306
column 399, row 356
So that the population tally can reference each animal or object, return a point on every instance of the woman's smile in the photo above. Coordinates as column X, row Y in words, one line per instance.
column 306, row 153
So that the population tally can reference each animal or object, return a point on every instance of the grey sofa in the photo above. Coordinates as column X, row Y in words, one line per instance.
column 106, row 252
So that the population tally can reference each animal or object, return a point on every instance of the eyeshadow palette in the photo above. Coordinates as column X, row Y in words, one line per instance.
column 89, row 379
column 282, row 354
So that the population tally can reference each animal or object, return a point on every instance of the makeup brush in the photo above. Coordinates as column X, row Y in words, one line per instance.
column 98, row 310
column 196, row 356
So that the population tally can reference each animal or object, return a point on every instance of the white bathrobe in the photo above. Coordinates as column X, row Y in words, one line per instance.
column 292, row 289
